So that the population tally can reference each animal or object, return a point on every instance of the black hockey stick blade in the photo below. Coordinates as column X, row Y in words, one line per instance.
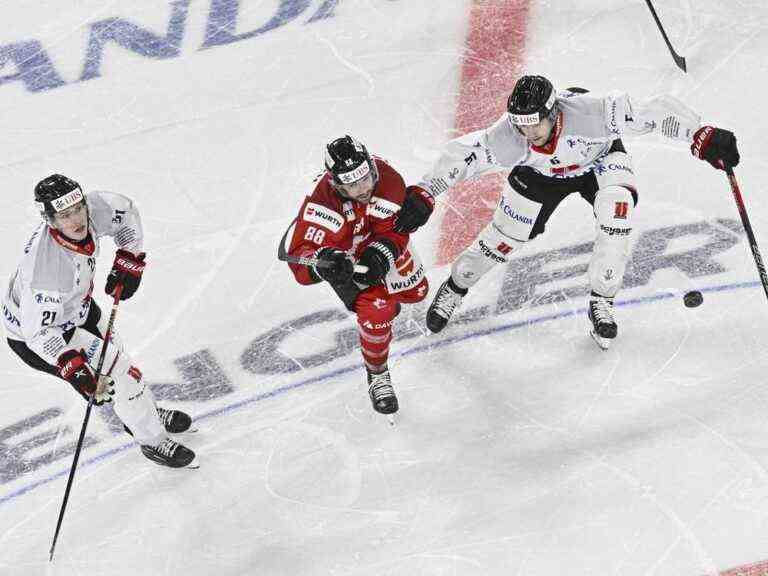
column 679, row 60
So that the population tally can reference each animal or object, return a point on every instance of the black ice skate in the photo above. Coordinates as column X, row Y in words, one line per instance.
column 170, row 453
column 600, row 313
column 175, row 421
column 447, row 299
column 382, row 393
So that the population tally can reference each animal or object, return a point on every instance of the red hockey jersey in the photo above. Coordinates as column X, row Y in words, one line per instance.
column 326, row 219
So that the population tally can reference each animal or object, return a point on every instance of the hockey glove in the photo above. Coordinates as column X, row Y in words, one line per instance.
column 379, row 256
column 716, row 146
column 73, row 367
column 336, row 267
column 529, row 182
column 333, row 265
column 415, row 211
column 126, row 270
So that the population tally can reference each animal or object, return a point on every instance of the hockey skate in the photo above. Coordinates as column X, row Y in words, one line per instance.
column 447, row 299
column 175, row 421
column 600, row 313
column 172, row 454
column 381, row 392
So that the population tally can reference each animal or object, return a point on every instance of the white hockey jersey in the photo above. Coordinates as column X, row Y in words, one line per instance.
column 50, row 292
column 584, row 131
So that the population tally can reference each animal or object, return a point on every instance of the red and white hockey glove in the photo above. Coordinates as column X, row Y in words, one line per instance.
column 415, row 211
column 73, row 367
column 716, row 146
column 126, row 270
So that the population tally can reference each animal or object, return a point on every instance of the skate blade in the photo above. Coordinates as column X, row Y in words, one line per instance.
column 603, row 343
column 191, row 430
column 389, row 416
column 194, row 465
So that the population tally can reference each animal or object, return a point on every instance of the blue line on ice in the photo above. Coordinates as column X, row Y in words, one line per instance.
column 328, row 375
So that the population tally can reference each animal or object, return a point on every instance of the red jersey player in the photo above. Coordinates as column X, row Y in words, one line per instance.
column 348, row 220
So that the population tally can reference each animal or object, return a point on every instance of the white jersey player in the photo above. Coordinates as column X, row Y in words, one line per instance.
column 556, row 145
column 53, row 324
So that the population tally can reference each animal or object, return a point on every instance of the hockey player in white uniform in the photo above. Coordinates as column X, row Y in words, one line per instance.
column 555, row 145
column 53, row 324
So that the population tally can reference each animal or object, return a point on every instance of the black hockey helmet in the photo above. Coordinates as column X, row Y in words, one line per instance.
column 533, row 99
column 348, row 161
column 56, row 193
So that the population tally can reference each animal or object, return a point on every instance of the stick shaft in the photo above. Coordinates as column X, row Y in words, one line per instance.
column 679, row 60
column 282, row 254
column 309, row 261
column 78, row 448
column 748, row 228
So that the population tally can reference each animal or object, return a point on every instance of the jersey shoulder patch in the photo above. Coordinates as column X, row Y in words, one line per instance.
column 381, row 208
column 323, row 216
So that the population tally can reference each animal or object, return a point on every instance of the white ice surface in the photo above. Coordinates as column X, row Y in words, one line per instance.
column 520, row 448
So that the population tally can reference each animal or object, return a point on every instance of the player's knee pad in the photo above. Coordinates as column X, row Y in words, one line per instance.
column 615, row 169
column 134, row 402
column 491, row 247
column 613, row 207
column 129, row 381
column 517, row 212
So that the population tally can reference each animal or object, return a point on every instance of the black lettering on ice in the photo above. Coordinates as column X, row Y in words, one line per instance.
column 132, row 37
column 32, row 66
column 263, row 354
column 21, row 453
column 651, row 252
column 202, row 378
column 526, row 279
column 526, row 275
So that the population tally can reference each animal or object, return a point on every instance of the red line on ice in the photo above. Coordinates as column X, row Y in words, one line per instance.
column 756, row 569
column 492, row 62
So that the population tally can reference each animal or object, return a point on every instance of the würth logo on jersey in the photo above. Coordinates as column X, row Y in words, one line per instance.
column 324, row 216
column 621, row 210
column 503, row 248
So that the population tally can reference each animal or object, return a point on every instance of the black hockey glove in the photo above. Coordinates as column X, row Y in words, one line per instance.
column 528, row 181
column 333, row 265
column 379, row 256
column 336, row 267
column 716, row 146
column 415, row 211
column 126, row 270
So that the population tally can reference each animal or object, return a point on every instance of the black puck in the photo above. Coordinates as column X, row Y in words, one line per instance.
column 693, row 299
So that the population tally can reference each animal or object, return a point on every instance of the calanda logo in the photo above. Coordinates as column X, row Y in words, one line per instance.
column 30, row 62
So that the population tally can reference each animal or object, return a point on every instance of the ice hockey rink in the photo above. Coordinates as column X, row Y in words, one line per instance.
column 520, row 447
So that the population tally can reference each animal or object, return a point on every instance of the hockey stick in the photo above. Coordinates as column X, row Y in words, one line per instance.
column 118, row 293
column 282, row 254
column 747, row 228
column 679, row 60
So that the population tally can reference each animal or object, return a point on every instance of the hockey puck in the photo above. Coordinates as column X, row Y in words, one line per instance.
column 693, row 299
